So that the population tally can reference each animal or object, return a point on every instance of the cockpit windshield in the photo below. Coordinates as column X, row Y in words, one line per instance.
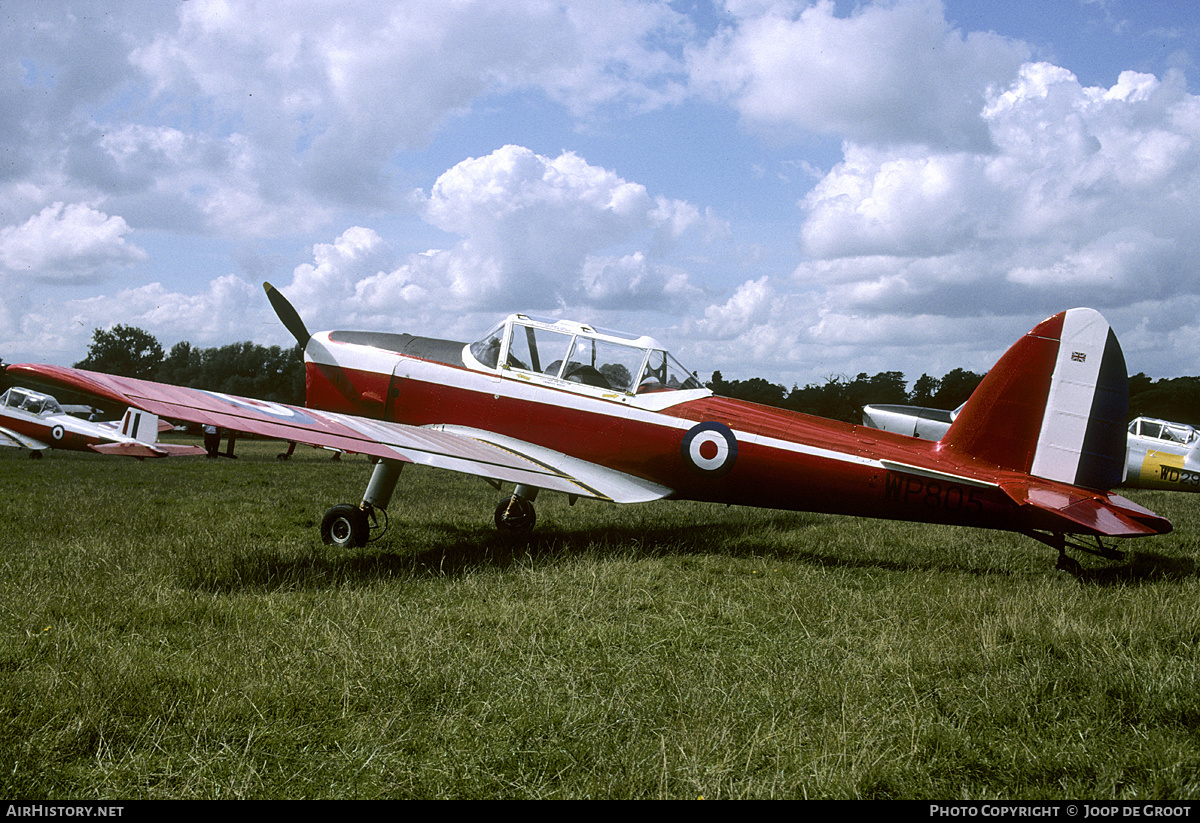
column 582, row 354
column 29, row 401
column 1163, row 430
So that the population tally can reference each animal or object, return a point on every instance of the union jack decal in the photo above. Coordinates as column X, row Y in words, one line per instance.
column 1079, row 357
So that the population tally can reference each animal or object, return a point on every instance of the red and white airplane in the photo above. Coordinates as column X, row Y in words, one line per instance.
column 36, row 421
column 567, row 407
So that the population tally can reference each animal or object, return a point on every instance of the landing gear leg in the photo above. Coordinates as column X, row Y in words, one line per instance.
column 516, row 514
column 347, row 526
column 1069, row 564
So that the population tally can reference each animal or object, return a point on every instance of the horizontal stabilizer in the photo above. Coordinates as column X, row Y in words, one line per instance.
column 1073, row 510
column 140, row 450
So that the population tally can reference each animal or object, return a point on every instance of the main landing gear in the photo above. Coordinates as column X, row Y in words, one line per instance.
column 516, row 514
column 350, row 526
column 1069, row 564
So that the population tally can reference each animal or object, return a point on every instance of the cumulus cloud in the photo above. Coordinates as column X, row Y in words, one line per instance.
column 344, row 86
column 227, row 309
column 222, row 312
column 971, row 183
column 886, row 74
column 67, row 242
column 321, row 288
column 537, row 233
column 1091, row 194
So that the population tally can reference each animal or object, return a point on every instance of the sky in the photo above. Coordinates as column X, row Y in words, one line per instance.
column 771, row 188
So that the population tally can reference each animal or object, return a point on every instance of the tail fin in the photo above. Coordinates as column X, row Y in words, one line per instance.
column 1054, row 406
column 140, row 425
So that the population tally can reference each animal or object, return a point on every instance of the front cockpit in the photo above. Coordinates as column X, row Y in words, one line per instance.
column 30, row 402
column 561, row 350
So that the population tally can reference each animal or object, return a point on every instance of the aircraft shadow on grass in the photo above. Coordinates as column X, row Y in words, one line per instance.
column 455, row 551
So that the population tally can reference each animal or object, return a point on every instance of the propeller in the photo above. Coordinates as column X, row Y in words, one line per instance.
column 287, row 315
column 326, row 365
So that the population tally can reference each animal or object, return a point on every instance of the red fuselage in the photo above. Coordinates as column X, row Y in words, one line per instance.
column 778, row 458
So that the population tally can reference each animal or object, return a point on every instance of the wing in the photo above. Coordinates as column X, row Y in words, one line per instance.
column 8, row 437
column 472, row 451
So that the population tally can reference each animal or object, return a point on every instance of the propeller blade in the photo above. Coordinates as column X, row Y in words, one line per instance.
column 287, row 315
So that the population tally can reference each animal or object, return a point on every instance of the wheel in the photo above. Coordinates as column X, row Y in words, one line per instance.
column 1069, row 565
column 345, row 526
column 516, row 514
column 35, row 455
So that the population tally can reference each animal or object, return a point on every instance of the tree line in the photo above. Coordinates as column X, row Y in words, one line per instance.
column 840, row 398
column 276, row 374
column 247, row 369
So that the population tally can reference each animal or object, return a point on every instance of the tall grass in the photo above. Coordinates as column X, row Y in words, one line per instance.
column 174, row 629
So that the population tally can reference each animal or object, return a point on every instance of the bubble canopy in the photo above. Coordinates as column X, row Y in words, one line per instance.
column 578, row 353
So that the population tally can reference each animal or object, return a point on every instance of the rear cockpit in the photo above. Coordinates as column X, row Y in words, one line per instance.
column 530, row 348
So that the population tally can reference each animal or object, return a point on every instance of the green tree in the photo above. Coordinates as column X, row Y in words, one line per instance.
column 924, row 390
column 1176, row 399
column 250, row 370
column 181, row 365
column 955, row 387
column 126, row 351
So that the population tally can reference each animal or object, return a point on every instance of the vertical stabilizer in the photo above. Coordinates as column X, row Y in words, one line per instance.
column 140, row 425
column 1054, row 406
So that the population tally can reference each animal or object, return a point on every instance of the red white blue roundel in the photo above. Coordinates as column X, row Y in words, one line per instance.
column 709, row 448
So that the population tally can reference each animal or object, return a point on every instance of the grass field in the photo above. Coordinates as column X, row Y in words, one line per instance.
column 175, row 629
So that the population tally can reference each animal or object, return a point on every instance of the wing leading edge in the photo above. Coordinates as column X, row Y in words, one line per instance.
column 469, row 451
column 8, row 437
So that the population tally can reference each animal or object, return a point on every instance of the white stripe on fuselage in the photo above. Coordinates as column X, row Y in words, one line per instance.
column 539, row 389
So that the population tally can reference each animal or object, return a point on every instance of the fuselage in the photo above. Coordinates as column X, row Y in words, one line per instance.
column 703, row 447
column 1163, row 455
column 36, row 421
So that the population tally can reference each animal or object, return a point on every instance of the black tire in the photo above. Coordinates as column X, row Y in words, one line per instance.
column 345, row 526
column 516, row 514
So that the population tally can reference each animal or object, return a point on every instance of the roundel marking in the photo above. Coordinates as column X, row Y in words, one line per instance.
column 709, row 448
column 57, row 432
column 264, row 407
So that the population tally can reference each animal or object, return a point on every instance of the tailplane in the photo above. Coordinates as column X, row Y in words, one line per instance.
column 1055, row 406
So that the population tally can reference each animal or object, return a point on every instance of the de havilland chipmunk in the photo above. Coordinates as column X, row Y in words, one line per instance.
column 36, row 421
column 553, row 405
column 1159, row 454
